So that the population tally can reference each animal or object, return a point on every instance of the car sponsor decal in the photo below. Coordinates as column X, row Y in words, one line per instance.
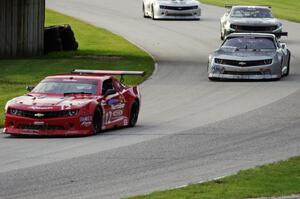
column 39, row 123
column 108, row 117
column 86, row 118
column 86, row 124
column 119, row 106
column 41, row 108
column 125, row 122
column 117, row 113
column 69, row 80
column 113, row 101
column 86, row 121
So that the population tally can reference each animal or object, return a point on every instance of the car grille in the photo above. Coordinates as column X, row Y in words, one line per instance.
column 242, row 73
column 244, row 63
column 40, row 115
column 40, row 127
column 180, row 14
column 179, row 8
column 254, row 28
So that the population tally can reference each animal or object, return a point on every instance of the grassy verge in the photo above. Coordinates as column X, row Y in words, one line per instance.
column 285, row 9
column 278, row 179
column 98, row 49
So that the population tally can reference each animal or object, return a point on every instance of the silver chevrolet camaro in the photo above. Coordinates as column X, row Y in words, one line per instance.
column 253, row 56
column 171, row 9
column 249, row 19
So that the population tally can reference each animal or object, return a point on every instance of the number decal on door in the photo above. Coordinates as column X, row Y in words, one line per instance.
column 108, row 117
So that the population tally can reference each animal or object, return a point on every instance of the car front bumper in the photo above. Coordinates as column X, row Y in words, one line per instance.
column 243, row 77
column 176, row 14
column 268, row 72
column 70, row 126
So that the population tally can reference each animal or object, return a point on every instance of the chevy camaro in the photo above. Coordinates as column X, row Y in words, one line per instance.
column 172, row 9
column 249, row 19
column 250, row 56
column 83, row 102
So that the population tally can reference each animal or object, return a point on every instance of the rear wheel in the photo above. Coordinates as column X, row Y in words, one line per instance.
column 222, row 33
column 97, row 121
column 288, row 65
column 144, row 12
column 152, row 13
column 134, row 114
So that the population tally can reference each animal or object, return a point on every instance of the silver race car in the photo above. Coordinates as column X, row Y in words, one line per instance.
column 249, row 19
column 172, row 9
column 253, row 56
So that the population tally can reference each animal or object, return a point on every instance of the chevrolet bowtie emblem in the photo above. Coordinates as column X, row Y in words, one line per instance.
column 39, row 115
column 242, row 63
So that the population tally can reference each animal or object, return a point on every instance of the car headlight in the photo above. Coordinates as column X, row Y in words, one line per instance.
column 227, row 25
column 72, row 113
column 14, row 111
column 218, row 61
column 279, row 26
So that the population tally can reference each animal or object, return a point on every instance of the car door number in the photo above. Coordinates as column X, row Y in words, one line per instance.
column 111, row 115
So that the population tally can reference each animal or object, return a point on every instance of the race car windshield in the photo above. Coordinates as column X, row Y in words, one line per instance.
column 251, row 13
column 255, row 43
column 66, row 87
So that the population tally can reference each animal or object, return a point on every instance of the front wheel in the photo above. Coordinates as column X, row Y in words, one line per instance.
column 288, row 64
column 144, row 12
column 223, row 35
column 134, row 114
column 97, row 121
column 152, row 13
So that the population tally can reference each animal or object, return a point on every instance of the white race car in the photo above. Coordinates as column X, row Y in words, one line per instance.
column 172, row 9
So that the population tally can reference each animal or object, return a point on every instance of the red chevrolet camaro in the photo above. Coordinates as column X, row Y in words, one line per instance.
column 83, row 102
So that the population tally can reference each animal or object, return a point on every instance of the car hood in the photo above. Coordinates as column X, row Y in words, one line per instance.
column 49, row 103
column 178, row 2
column 254, row 21
column 232, row 54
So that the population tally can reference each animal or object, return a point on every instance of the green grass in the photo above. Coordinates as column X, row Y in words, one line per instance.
column 98, row 49
column 278, row 179
column 284, row 9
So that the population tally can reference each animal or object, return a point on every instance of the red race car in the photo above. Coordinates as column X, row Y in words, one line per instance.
column 84, row 102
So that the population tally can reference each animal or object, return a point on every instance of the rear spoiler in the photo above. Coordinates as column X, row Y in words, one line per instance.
column 229, row 6
column 277, row 34
column 108, row 72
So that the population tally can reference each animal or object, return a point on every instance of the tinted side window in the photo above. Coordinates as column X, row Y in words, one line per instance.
column 107, row 84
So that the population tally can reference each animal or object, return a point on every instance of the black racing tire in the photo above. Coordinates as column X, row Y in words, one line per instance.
column 288, row 66
column 144, row 12
column 152, row 13
column 97, row 121
column 222, row 35
column 134, row 114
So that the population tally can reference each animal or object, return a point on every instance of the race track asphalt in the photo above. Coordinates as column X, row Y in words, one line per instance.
column 190, row 129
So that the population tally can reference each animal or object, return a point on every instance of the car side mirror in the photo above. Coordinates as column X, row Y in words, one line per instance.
column 110, row 92
column 29, row 88
column 283, row 45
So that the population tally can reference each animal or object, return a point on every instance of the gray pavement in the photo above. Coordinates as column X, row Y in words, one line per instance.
column 190, row 129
